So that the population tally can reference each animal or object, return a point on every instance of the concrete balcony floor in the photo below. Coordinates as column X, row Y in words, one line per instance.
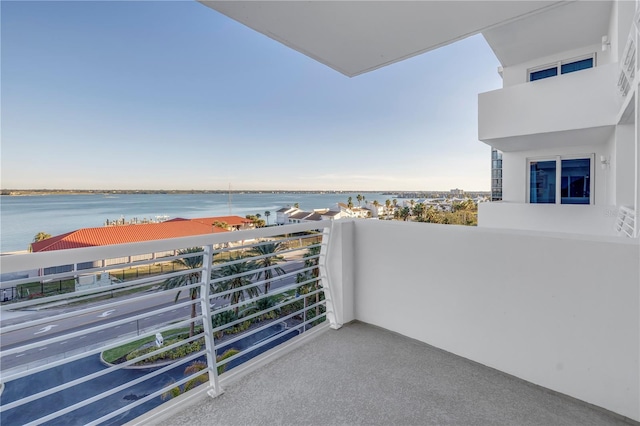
column 365, row 375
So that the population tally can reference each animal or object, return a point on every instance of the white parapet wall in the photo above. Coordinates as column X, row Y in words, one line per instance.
column 580, row 100
column 558, row 311
column 573, row 219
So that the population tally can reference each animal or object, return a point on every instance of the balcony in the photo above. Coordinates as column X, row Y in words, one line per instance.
column 442, row 313
column 574, row 219
column 579, row 108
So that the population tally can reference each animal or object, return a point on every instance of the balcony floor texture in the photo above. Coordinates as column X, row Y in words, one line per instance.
column 365, row 375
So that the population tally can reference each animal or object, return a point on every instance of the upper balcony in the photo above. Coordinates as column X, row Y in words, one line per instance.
column 555, row 310
column 579, row 108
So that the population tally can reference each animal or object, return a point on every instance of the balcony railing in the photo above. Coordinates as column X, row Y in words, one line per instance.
column 542, row 306
column 538, row 114
column 157, row 319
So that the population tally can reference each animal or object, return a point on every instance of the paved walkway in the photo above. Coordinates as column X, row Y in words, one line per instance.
column 364, row 375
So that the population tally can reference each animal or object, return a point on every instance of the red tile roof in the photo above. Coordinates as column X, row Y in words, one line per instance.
column 108, row 235
column 229, row 220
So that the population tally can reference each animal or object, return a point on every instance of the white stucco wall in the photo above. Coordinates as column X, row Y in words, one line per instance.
column 561, row 313
column 624, row 164
column 572, row 219
column 340, row 273
column 581, row 100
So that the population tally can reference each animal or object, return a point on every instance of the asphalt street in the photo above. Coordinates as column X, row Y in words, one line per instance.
column 98, row 314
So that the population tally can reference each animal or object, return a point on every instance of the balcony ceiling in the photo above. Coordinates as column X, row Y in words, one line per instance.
column 575, row 137
column 565, row 28
column 354, row 37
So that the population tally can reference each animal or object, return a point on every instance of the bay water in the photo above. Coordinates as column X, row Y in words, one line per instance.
column 22, row 217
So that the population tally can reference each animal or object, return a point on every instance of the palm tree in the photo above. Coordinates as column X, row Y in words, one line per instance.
column 266, row 263
column 350, row 202
column 41, row 236
column 405, row 213
column 359, row 198
column 235, row 270
column 418, row 210
column 267, row 214
column 190, row 262
column 387, row 205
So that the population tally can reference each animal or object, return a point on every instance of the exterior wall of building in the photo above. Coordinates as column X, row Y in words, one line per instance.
column 580, row 100
column 555, row 312
column 623, row 165
column 517, row 74
column 573, row 219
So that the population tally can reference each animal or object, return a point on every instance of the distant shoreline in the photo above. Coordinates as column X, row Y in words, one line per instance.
column 22, row 192
column 30, row 192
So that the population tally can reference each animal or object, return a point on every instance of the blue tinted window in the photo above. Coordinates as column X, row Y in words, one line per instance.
column 575, row 181
column 542, row 187
column 539, row 75
column 577, row 66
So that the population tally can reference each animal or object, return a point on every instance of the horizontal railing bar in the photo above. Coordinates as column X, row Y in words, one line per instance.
column 256, row 330
column 248, row 317
column 84, row 294
column 83, row 379
column 280, row 291
column 262, row 243
column 272, row 338
column 153, row 253
column 31, row 261
column 140, row 401
column 81, row 311
column 248, row 286
column 85, row 354
column 72, row 335
column 256, row 346
column 112, row 391
column 253, row 272
column 105, row 306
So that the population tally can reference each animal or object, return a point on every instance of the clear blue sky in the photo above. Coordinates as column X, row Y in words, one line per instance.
column 172, row 95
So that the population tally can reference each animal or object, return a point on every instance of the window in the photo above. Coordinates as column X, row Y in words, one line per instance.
column 562, row 67
column 542, row 187
column 576, row 66
column 539, row 75
column 563, row 180
column 575, row 187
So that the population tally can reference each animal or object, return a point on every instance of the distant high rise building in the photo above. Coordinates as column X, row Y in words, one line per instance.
column 457, row 192
column 496, row 175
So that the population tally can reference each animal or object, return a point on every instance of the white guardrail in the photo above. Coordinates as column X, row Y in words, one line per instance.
column 130, row 326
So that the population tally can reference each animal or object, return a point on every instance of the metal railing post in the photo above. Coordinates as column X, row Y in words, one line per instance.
column 324, row 278
column 205, row 308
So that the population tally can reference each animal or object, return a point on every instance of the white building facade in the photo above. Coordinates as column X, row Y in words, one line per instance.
column 565, row 120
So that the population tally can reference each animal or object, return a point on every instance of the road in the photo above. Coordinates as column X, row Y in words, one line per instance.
column 99, row 315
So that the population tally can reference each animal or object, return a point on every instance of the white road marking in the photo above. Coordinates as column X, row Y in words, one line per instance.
column 106, row 313
column 42, row 349
column 64, row 343
column 19, row 355
column 45, row 329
